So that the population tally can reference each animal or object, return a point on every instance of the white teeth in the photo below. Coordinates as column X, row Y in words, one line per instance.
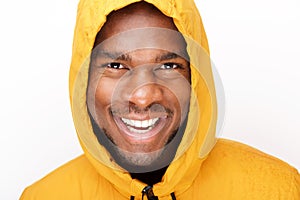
column 145, row 123
column 138, row 130
column 140, row 123
column 126, row 121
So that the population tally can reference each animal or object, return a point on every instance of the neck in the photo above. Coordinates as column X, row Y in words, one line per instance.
column 150, row 178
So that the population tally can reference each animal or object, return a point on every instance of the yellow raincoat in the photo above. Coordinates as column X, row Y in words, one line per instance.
column 204, row 167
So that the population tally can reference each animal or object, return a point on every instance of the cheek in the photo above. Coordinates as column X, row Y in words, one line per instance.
column 184, row 100
column 104, row 92
column 99, row 94
column 181, row 90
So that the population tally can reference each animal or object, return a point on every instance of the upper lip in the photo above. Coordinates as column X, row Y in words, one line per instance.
column 135, row 113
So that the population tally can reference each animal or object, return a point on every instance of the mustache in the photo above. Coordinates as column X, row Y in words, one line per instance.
column 131, row 108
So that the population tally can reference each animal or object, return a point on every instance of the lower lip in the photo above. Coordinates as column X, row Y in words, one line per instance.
column 141, row 136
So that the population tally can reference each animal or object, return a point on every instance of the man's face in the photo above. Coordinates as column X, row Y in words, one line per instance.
column 139, row 96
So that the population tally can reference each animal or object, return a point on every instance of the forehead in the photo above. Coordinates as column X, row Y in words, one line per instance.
column 163, row 40
column 135, row 16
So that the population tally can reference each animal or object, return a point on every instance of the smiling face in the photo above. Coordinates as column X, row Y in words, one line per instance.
column 139, row 85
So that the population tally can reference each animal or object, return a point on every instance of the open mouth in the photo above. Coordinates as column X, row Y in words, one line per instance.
column 141, row 129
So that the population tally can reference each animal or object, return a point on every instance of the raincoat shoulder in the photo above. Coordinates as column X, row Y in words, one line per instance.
column 236, row 171
column 66, row 182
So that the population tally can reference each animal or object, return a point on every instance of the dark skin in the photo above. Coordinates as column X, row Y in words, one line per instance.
column 138, row 98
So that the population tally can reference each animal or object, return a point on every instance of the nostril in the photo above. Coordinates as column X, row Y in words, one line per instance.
column 146, row 95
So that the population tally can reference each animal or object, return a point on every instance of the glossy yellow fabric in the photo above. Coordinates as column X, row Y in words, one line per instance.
column 204, row 168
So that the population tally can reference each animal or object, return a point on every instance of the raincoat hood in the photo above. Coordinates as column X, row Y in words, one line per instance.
column 199, row 136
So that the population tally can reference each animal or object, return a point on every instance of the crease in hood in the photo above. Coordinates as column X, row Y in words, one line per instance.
column 200, row 134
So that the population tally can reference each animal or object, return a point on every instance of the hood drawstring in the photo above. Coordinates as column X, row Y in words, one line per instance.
column 148, row 191
column 173, row 196
column 131, row 197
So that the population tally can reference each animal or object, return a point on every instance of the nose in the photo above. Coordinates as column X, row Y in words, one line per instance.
column 146, row 95
column 143, row 90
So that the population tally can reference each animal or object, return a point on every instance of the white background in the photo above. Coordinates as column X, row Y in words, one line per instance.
column 254, row 44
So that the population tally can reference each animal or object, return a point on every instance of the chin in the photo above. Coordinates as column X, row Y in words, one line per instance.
column 139, row 159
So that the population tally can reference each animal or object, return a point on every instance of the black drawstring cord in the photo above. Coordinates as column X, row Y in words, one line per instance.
column 149, row 193
column 173, row 196
column 132, row 198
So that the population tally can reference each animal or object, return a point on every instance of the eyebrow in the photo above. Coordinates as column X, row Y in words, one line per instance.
column 114, row 55
column 167, row 56
column 126, row 57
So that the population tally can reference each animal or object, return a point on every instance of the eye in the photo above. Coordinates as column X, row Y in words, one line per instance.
column 115, row 66
column 170, row 66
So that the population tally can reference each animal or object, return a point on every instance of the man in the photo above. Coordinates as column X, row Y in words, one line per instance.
column 144, row 106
